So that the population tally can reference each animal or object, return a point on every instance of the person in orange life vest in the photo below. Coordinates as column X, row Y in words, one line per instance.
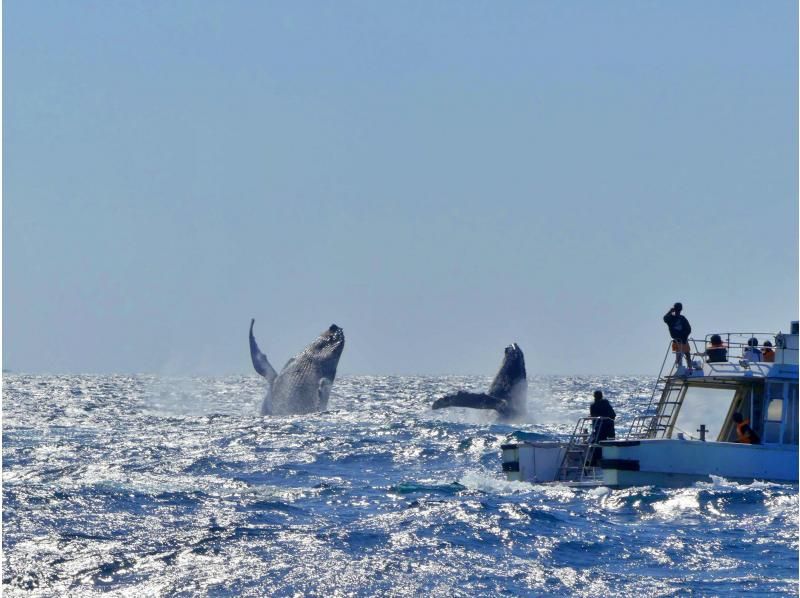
column 768, row 354
column 716, row 352
column 744, row 433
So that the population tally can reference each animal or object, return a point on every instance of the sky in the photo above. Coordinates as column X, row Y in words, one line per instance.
column 438, row 178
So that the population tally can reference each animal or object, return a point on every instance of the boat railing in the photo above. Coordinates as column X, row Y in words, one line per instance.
column 654, row 423
column 738, row 343
column 577, row 466
column 642, row 427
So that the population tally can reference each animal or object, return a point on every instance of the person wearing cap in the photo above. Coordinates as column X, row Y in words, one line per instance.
column 602, row 428
column 679, row 330
column 716, row 351
column 768, row 355
column 752, row 352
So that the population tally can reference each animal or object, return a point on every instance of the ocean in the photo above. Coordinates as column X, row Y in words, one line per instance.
column 152, row 486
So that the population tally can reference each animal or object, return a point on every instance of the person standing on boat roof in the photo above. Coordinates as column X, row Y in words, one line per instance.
column 679, row 330
column 602, row 428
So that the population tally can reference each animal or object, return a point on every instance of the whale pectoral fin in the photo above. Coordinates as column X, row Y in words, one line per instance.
column 260, row 362
column 324, row 393
column 473, row 400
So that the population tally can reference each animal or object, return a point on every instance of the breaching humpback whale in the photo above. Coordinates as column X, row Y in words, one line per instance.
column 304, row 383
column 507, row 394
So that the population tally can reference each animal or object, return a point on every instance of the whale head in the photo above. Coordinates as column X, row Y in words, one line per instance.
column 327, row 349
column 513, row 367
column 511, row 381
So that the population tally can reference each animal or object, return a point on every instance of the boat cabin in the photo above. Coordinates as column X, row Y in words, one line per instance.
column 700, row 404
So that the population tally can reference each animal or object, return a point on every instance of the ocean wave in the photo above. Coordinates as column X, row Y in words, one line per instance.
column 147, row 485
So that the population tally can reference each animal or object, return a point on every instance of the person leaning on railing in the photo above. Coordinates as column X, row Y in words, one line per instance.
column 716, row 351
column 603, row 427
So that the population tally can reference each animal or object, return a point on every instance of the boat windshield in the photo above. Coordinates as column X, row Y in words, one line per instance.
column 703, row 405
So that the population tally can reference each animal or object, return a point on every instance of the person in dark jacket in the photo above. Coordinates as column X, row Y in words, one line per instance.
column 716, row 351
column 679, row 330
column 603, row 428
column 602, row 408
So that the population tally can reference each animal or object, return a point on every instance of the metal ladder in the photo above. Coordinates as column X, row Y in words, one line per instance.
column 672, row 395
column 574, row 466
column 665, row 400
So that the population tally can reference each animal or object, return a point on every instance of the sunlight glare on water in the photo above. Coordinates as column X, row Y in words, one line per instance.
column 149, row 486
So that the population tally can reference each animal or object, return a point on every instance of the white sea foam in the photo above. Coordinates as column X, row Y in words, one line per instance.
column 136, row 485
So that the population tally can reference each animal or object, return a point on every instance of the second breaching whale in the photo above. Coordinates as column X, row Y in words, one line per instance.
column 507, row 393
column 304, row 383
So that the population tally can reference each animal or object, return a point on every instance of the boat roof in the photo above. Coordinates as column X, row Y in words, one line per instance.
column 739, row 367
column 738, row 372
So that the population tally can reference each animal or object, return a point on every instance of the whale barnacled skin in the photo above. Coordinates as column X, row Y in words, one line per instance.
column 304, row 383
column 507, row 393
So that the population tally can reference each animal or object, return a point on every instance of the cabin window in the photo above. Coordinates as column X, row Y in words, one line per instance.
column 790, row 429
column 775, row 390
column 703, row 406
column 774, row 415
column 775, row 410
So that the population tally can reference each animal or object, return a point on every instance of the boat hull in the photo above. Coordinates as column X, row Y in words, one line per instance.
column 657, row 462
column 677, row 462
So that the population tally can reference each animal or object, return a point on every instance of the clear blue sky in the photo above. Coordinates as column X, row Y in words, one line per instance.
column 438, row 178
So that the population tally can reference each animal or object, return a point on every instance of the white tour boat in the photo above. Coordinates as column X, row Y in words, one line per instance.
column 687, row 432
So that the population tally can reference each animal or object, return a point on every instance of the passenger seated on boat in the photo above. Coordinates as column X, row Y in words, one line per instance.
column 744, row 433
column 768, row 354
column 752, row 352
column 716, row 352
column 602, row 428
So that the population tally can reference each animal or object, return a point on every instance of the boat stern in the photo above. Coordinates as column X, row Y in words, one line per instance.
column 535, row 462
